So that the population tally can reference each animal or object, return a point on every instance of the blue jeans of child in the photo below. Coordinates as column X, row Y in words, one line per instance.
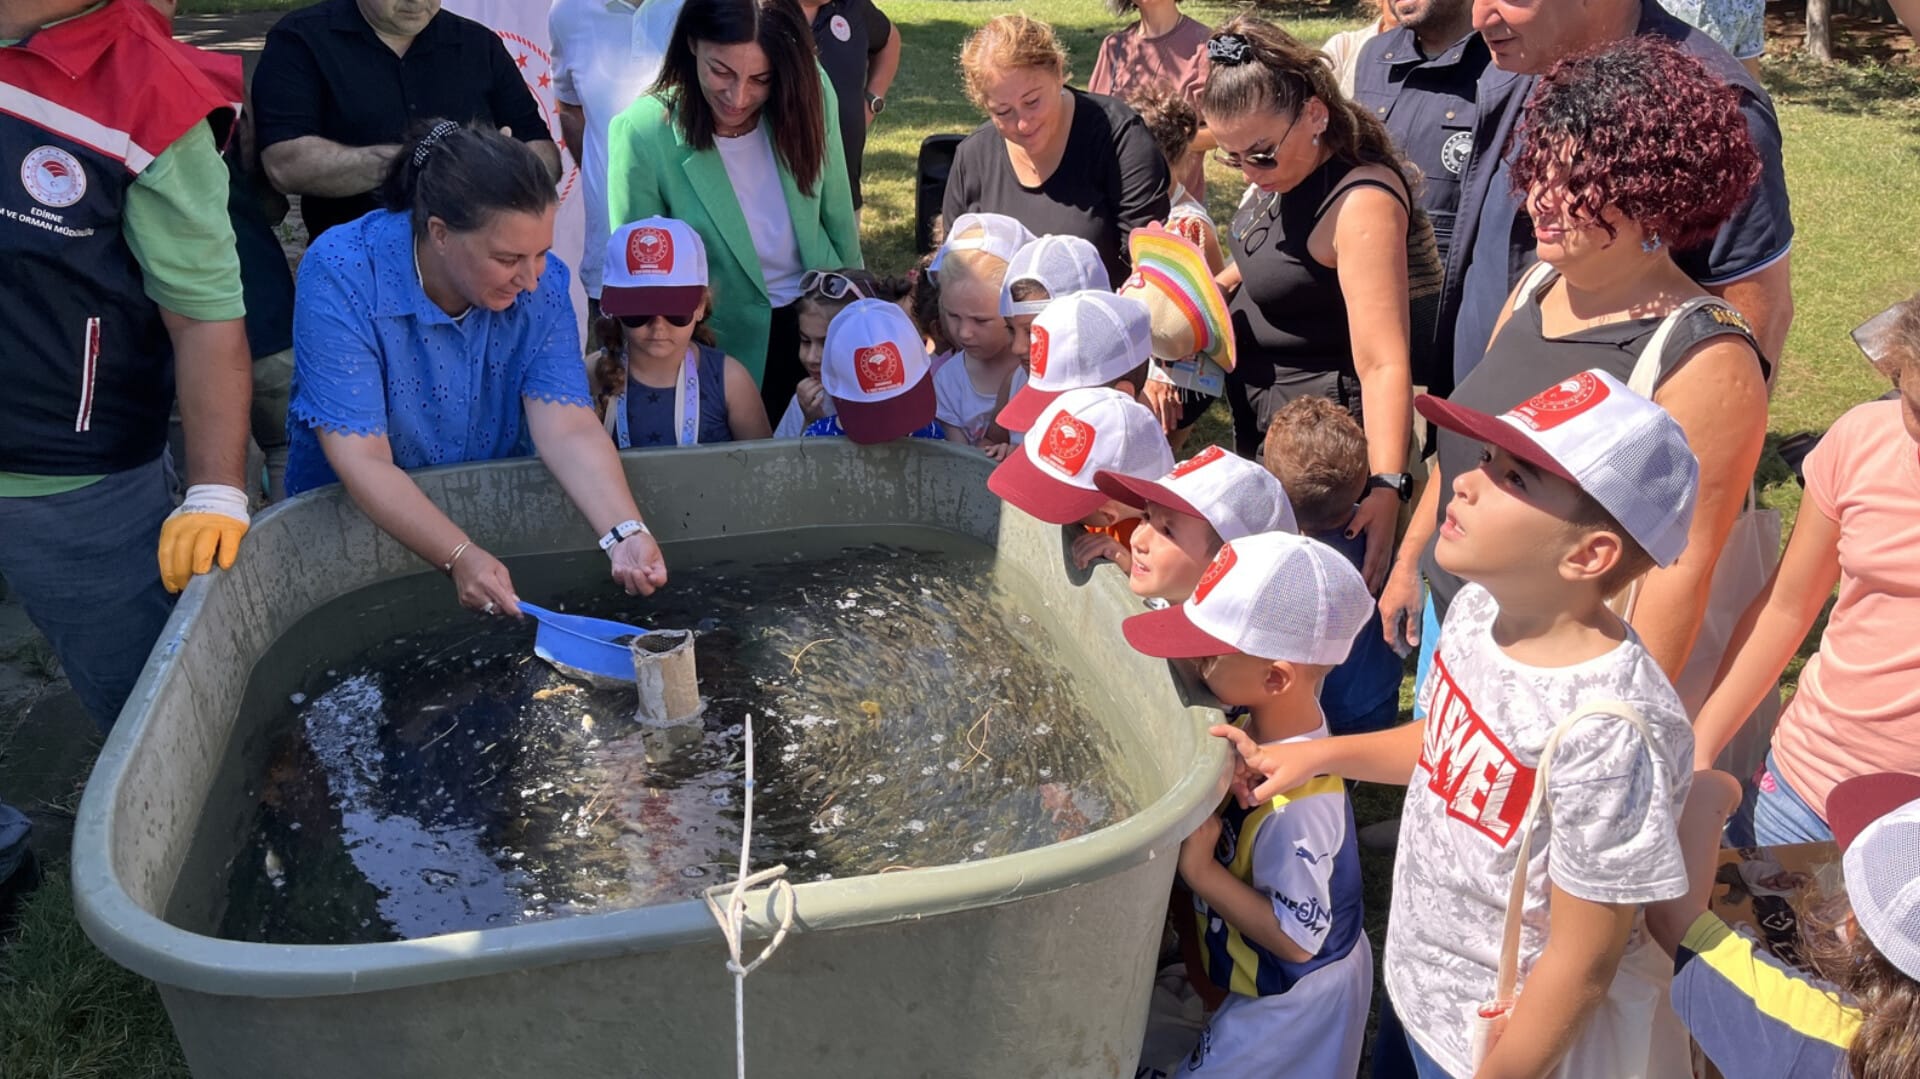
column 1396, row 1055
column 1773, row 813
column 84, row 564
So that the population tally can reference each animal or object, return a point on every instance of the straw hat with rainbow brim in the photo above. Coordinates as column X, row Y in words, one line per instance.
column 1170, row 276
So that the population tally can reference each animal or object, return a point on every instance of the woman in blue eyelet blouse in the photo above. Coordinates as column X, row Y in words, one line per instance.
column 439, row 331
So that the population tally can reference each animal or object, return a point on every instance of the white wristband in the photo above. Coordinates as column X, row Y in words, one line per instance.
column 215, row 498
column 619, row 532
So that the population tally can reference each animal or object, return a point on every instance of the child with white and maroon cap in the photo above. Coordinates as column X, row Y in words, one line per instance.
column 1754, row 1014
column 1081, row 434
column 1082, row 340
column 969, row 270
column 1043, row 271
column 1208, row 499
column 653, row 332
column 1276, row 885
column 875, row 370
column 1537, row 685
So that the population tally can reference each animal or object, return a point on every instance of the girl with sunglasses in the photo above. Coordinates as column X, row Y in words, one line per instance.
column 1321, row 253
column 659, row 379
column 824, row 294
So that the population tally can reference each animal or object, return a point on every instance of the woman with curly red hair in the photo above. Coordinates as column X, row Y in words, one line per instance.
column 1627, row 153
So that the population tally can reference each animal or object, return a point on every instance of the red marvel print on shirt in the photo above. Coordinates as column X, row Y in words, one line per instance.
column 1037, row 351
column 1562, row 402
column 1218, row 568
column 1196, row 462
column 1473, row 772
column 879, row 367
column 650, row 250
column 1066, row 444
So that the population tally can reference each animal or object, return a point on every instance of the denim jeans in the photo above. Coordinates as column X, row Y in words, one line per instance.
column 85, row 566
column 1773, row 813
column 1396, row 1055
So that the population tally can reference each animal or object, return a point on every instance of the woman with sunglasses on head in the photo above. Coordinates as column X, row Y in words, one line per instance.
column 1055, row 159
column 740, row 139
column 1321, row 256
column 438, row 331
column 659, row 380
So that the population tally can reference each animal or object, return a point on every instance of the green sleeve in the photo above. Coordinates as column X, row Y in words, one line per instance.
column 835, row 188
column 177, row 226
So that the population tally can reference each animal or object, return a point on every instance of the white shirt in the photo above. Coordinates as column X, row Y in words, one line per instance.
column 958, row 404
column 1607, row 834
column 606, row 53
column 756, row 185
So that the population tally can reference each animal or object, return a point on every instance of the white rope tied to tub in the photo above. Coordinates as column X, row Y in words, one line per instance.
column 733, row 916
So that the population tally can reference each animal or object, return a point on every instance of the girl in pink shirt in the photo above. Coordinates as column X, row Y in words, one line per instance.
column 1858, row 706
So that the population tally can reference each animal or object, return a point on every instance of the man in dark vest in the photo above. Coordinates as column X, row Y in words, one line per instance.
column 118, row 281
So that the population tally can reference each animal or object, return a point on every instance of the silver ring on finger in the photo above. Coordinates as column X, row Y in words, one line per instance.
column 488, row 609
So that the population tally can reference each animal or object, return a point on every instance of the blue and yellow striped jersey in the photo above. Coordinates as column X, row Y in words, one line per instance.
column 1754, row 1015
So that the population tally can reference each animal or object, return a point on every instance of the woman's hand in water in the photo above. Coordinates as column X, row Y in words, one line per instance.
column 1377, row 518
column 638, row 565
column 483, row 584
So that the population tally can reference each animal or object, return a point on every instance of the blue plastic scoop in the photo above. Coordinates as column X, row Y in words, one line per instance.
column 591, row 646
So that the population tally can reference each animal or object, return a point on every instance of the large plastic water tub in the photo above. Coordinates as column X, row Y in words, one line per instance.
column 1038, row 963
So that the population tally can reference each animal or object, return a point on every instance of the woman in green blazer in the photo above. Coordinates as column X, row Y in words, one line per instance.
column 740, row 139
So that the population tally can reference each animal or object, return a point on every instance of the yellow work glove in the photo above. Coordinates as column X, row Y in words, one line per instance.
column 209, row 523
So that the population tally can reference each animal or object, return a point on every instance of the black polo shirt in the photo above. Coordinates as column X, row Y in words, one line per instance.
column 1428, row 107
column 325, row 72
column 848, row 33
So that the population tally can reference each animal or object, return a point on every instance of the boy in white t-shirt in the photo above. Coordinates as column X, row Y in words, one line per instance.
column 1581, row 489
column 1276, row 886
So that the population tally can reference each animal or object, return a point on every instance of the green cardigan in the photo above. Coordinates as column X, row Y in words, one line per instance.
column 651, row 171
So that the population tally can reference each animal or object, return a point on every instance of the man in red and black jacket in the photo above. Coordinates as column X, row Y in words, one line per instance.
column 118, row 280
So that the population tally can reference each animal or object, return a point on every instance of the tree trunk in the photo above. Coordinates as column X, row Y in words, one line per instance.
column 1819, row 31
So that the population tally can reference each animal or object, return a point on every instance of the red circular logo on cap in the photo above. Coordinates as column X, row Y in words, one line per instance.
column 1197, row 461
column 1037, row 351
column 879, row 367
column 650, row 250
column 1562, row 402
column 1066, row 444
column 1216, row 569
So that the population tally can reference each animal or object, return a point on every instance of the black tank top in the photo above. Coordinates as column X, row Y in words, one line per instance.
column 1521, row 361
column 1288, row 312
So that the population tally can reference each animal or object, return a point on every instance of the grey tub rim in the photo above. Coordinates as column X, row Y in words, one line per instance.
column 149, row 945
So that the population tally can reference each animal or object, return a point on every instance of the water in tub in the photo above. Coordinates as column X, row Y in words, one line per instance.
column 427, row 774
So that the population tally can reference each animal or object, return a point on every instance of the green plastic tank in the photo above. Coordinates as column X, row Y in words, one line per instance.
column 1033, row 964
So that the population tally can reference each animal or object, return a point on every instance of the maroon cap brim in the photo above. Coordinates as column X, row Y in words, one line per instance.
column 655, row 300
column 1169, row 634
column 1137, row 493
column 1021, row 483
column 1475, row 424
column 1855, row 803
column 1024, row 408
column 868, row 422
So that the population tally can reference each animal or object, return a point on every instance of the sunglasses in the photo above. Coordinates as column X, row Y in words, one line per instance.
column 1260, row 160
column 832, row 286
column 640, row 322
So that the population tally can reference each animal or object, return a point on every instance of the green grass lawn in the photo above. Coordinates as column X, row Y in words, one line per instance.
column 1853, row 164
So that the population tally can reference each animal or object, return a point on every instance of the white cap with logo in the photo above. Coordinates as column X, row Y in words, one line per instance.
column 1236, row 496
column 875, row 368
column 1082, row 433
column 655, row 266
column 1623, row 450
column 1082, row 340
column 1276, row 596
